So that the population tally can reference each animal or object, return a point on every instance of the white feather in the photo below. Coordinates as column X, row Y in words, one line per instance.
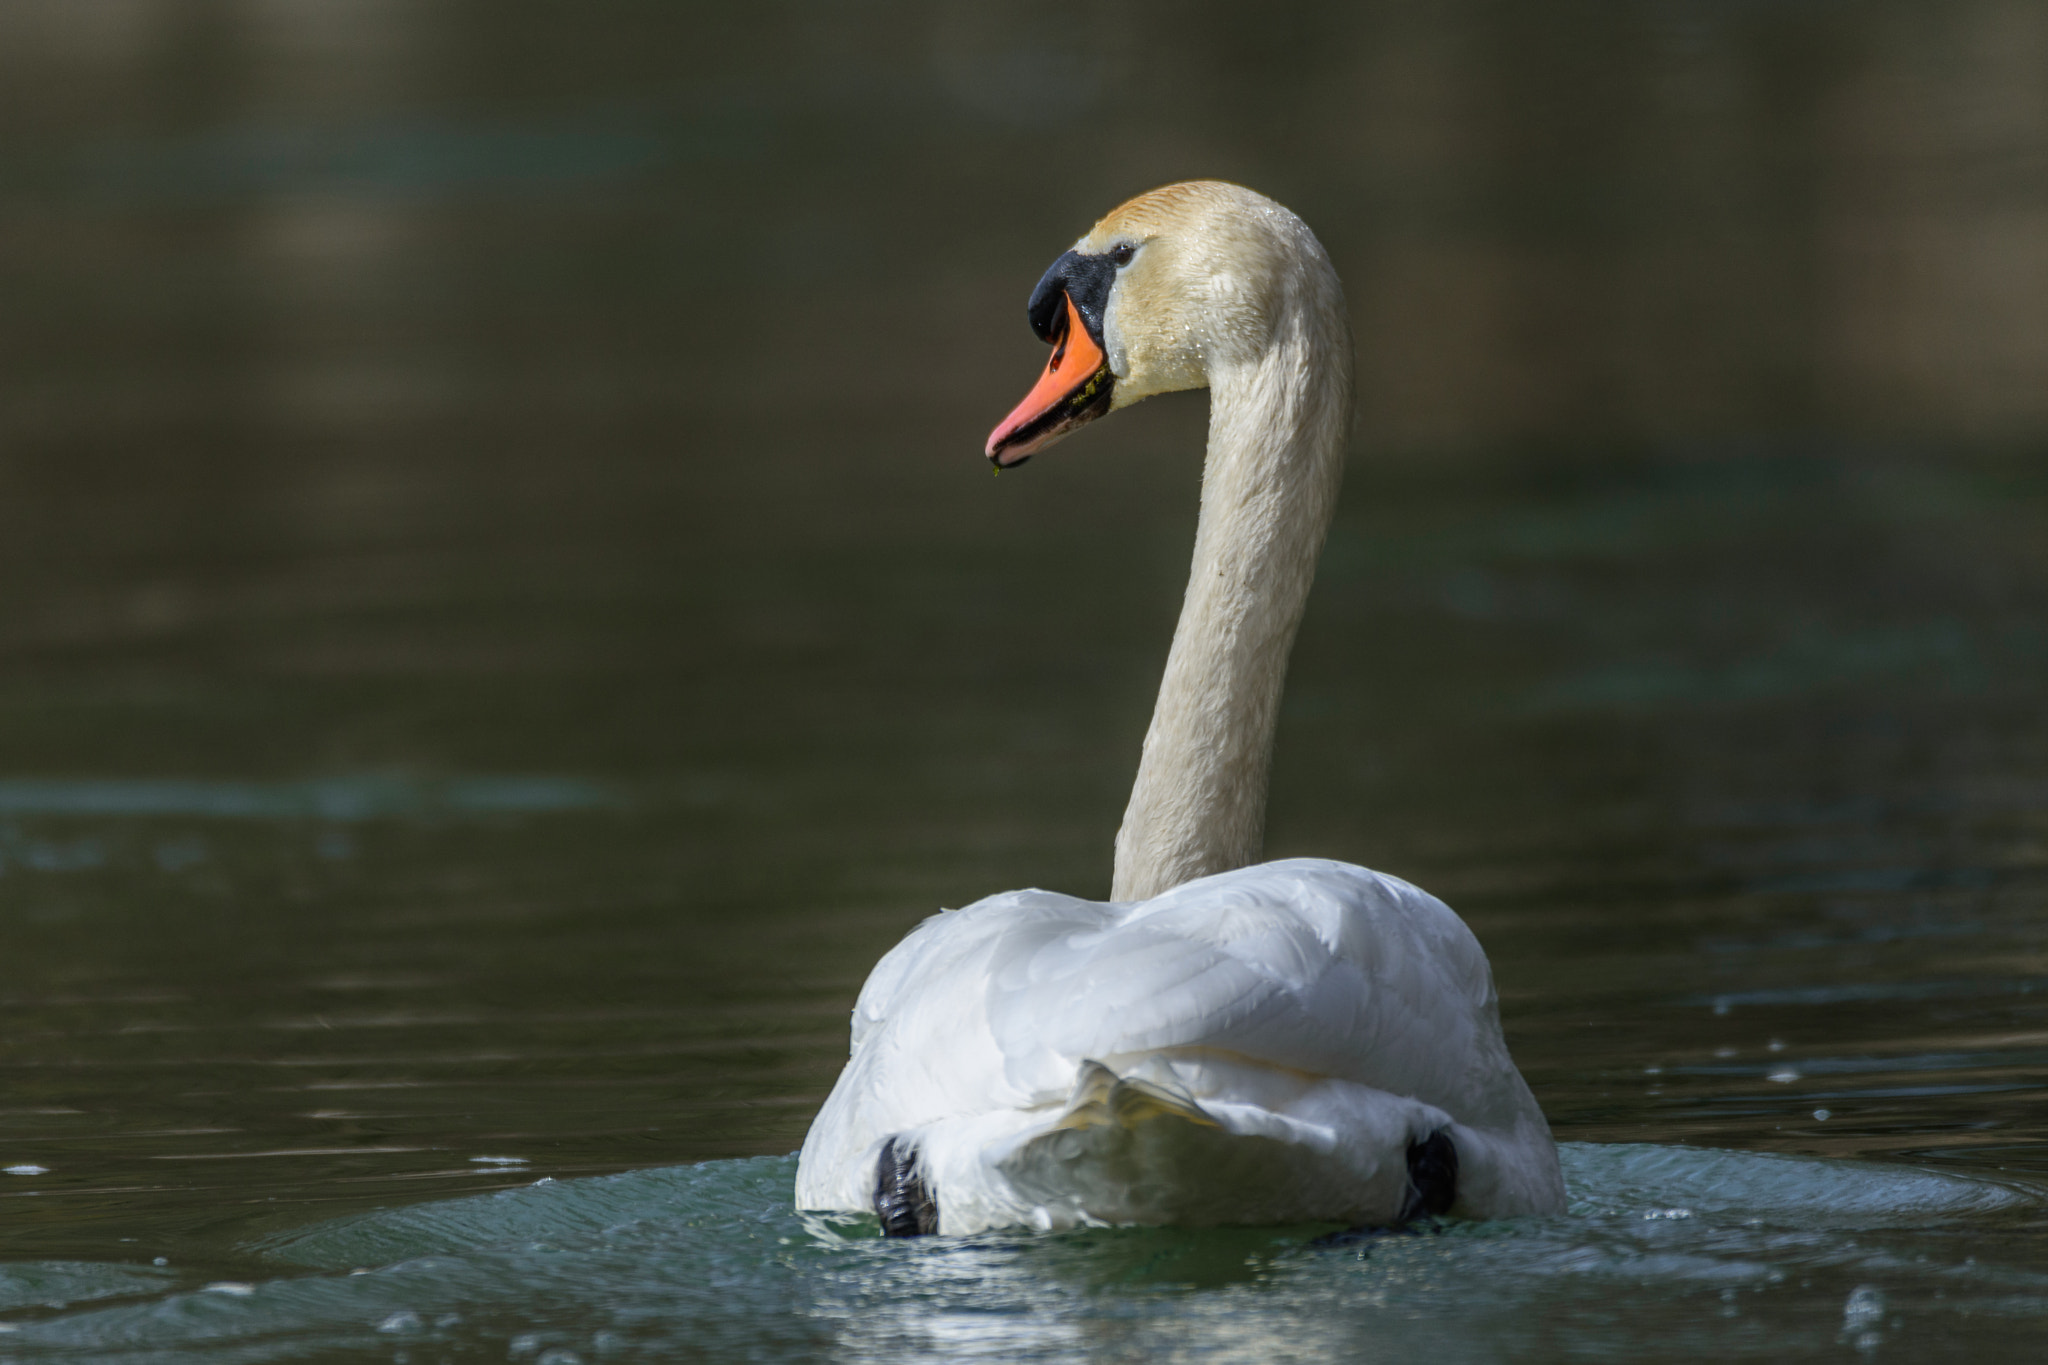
column 1259, row 1046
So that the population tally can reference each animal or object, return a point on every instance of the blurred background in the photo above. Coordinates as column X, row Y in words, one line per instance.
column 503, row 617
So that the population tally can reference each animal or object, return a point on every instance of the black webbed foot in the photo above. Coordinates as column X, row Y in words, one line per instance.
column 902, row 1201
column 1432, row 1178
column 1432, row 1189
column 1364, row 1232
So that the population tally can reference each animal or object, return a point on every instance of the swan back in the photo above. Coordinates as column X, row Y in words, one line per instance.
column 1315, row 1005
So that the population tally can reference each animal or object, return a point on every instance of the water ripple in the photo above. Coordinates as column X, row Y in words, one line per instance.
column 1715, row 1253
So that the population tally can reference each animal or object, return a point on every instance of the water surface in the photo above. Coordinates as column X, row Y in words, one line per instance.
column 1767, row 1256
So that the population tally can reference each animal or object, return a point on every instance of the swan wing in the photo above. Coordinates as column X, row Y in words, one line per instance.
column 1305, row 965
column 1288, row 999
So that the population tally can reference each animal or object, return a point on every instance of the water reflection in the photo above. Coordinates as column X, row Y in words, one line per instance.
column 334, row 798
column 1561, row 224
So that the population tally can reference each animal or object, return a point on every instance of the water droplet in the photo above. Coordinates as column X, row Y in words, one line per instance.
column 401, row 1321
column 1785, row 1077
column 1864, row 1308
column 1822, row 1115
column 26, row 1169
column 236, row 1288
column 498, row 1160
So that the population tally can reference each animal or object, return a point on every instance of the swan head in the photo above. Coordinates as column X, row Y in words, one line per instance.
column 1166, row 292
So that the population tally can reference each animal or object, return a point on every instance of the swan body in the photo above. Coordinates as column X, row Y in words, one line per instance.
column 1257, row 1046
column 1221, row 1042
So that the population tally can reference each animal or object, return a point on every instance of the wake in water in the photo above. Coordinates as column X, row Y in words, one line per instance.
column 1672, row 1252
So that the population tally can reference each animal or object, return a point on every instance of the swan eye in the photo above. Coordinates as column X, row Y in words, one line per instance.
column 1120, row 255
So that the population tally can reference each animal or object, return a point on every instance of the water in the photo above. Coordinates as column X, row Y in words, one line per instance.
column 1767, row 1256
column 502, row 622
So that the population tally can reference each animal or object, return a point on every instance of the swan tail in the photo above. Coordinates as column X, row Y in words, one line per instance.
column 1142, row 1149
column 1101, row 1098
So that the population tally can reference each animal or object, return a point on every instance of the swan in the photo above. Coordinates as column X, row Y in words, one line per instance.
column 1223, row 1041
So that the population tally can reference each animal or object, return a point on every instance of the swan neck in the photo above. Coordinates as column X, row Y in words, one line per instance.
column 1277, row 428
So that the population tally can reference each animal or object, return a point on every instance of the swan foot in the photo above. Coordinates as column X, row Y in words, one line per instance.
column 1432, row 1189
column 902, row 1201
column 1369, row 1232
column 1432, row 1178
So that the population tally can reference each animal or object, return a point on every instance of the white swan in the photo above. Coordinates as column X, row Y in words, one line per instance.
column 1297, row 1041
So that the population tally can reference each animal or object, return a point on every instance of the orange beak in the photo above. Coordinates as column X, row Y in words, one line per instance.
column 1074, row 389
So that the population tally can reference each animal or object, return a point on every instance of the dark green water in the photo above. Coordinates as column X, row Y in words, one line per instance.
column 502, row 621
